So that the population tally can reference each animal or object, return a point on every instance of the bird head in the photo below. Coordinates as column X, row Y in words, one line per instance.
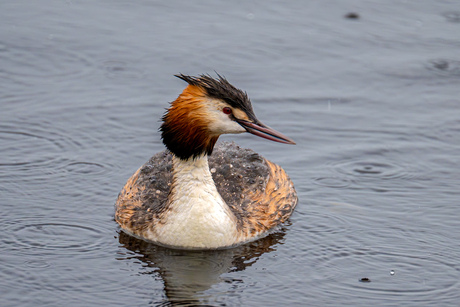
column 206, row 109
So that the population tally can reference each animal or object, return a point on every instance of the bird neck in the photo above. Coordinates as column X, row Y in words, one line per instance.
column 184, row 130
column 193, row 171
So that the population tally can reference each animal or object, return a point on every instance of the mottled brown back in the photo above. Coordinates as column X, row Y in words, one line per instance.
column 259, row 193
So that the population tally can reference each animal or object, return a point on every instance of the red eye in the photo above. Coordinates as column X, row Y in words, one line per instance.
column 227, row 110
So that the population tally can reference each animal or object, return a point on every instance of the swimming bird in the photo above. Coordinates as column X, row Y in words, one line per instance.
column 196, row 195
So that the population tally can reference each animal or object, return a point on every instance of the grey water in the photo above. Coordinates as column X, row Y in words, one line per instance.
column 369, row 90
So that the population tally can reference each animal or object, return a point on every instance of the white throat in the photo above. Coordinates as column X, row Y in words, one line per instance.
column 197, row 216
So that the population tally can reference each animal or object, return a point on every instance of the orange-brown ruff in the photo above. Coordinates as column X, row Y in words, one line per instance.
column 252, row 195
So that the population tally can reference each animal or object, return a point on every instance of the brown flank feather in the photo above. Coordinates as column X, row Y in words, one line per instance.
column 264, row 209
column 261, row 196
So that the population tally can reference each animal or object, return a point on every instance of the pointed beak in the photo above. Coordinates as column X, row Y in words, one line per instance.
column 266, row 132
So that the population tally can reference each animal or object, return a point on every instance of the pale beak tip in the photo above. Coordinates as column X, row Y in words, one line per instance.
column 290, row 142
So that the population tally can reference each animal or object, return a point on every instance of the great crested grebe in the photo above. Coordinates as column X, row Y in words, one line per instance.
column 178, row 199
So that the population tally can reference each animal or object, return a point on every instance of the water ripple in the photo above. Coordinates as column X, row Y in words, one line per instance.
column 371, row 169
column 249, row 56
column 31, row 145
column 51, row 234
column 42, row 62
column 399, row 274
column 325, row 222
column 81, row 167
column 332, row 182
column 425, row 69
column 121, row 70
column 37, row 264
column 453, row 16
column 444, row 67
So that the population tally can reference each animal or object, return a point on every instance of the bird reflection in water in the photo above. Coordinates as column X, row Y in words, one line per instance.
column 186, row 274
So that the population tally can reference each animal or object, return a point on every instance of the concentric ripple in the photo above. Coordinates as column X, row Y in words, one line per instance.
column 42, row 61
column 37, row 263
column 53, row 234
column 374, row 169
column 31, row 145
column 332, row 182
column 85, row 167
column 326, row 221
column 39, row 147
column 401, row 275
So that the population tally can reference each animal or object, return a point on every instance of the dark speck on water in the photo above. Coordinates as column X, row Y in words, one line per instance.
column 374, row 111
column 352, row 15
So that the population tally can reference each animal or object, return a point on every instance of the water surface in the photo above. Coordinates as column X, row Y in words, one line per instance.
column 372, row 103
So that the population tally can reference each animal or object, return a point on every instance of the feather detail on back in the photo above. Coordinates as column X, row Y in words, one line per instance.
column 257, row 191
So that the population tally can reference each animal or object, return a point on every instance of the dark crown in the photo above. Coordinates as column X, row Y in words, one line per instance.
column 221, row 89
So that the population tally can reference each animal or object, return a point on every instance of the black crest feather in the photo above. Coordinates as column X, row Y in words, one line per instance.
column 221, row 89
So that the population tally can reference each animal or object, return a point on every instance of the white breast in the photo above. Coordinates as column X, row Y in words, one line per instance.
column 197, row 216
